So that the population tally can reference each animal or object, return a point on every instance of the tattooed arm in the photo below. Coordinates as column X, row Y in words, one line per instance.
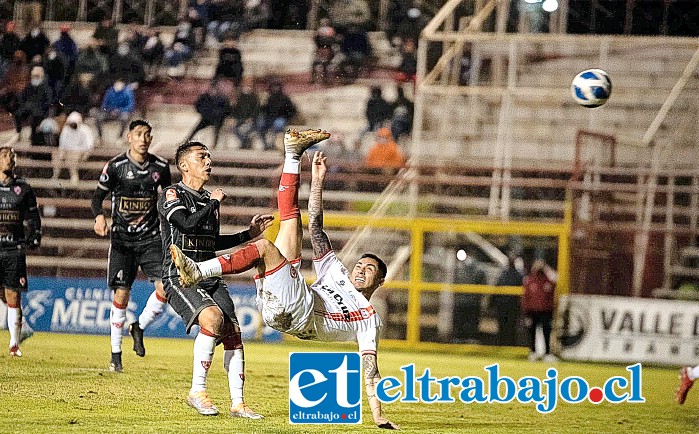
column 371, row 378
column 319, row 239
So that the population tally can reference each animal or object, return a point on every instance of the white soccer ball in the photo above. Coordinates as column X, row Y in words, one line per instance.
column 591, row 88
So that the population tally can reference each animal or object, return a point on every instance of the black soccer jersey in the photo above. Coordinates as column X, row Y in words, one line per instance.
column 198, row 240
column 17, row 205
column 134, row 190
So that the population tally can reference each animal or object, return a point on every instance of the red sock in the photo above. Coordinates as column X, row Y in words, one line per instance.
column 288, row 196
column 240, row 260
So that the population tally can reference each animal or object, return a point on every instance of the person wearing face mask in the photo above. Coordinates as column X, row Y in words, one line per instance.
column 74, row 145
column 181, row 50
column 34, row 43
column 126, row 65
column 34, row 104
column 56, row 68
column 118, row 104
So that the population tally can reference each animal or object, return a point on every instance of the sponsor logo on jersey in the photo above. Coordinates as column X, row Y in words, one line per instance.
column 325, row 388
column 8, row 216
column 198, row 243
column 135, row 205
column 129, row 175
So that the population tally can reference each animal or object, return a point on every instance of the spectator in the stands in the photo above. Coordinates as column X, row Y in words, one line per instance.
column 126, row 65
column 68, row 48
column 213, row 107
column 347, row 13
column 118, row 104
column 33, row 105
column 136, row 38
column 56, row 70
column 246, row 111
column 92, row 61
column 407, row 70
column 325, row 39
column 357, row 52
column 378, row 111
column 257, row 14
column 152, row 53
column 9, row 43
column 410, row 26
column 198, row 15
column 15, row 81
column 34, row 43
column 275, row 114
column 227, row 17
column 402, row 117
column 385, row 154
column 230, row 61
column 181, row 50
column 74, row 145
column 107, row 37
column 80, row 95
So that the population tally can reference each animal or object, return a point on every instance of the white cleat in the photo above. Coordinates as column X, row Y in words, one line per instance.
column 189, row 271
column 15, row 352
column 201, row 402
column 242, row 410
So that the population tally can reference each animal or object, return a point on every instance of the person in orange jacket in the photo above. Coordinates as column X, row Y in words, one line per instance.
column 384, row 154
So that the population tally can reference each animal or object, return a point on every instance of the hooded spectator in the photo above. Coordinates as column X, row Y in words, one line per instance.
column 74, row 145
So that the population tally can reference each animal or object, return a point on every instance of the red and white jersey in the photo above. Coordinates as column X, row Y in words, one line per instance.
column 342, row 313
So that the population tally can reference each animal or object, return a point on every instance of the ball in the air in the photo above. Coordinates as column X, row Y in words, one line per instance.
column 591, row 88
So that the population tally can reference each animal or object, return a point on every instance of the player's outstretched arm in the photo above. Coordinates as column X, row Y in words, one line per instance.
column 319, row 239
column 258, row 224
column 371, row 377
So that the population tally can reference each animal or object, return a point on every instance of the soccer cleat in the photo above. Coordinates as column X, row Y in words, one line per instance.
column 137, row 334
column 25, row 334
column 296, row 142
column 189, row 271
column 685, row 384
column 201, row 402
column 116, row 365
column 242, row 410
column 15, row 352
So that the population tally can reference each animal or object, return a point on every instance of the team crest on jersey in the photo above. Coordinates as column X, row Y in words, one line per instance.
column 18, row 190
column 170, row 194
column 155, row 176
column 23, row 281
column 292, row 271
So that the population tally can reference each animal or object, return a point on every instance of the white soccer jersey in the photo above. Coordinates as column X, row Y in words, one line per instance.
column 341, row 312
column 330, row 310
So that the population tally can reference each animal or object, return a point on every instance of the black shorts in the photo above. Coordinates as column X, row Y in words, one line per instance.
column 13, row 270
column 189, row 302
column 125, row 258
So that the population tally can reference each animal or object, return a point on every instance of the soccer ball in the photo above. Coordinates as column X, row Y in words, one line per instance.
column 591, row 88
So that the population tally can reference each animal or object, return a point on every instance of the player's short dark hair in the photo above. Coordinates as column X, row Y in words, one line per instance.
column 184, row 149
column 383, row 269
column 140, row 123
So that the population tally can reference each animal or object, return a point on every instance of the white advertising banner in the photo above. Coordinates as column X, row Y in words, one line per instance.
column 623, row 329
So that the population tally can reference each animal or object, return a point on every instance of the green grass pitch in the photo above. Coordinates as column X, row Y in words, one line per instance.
column 62, row 384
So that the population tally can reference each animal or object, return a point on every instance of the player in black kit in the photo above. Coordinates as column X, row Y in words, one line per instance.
column 17, row 206
column 190, row 218
column 133, row 177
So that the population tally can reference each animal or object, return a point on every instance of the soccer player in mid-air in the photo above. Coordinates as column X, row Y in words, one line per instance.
column 335, row 308
column 190, row 218
column 17, row 208
column 133, row 177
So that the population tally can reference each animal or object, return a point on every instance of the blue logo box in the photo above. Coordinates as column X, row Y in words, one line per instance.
column 325, row 388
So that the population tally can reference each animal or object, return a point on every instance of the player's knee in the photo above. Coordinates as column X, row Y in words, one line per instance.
column 211, row 319
column 232, row 341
